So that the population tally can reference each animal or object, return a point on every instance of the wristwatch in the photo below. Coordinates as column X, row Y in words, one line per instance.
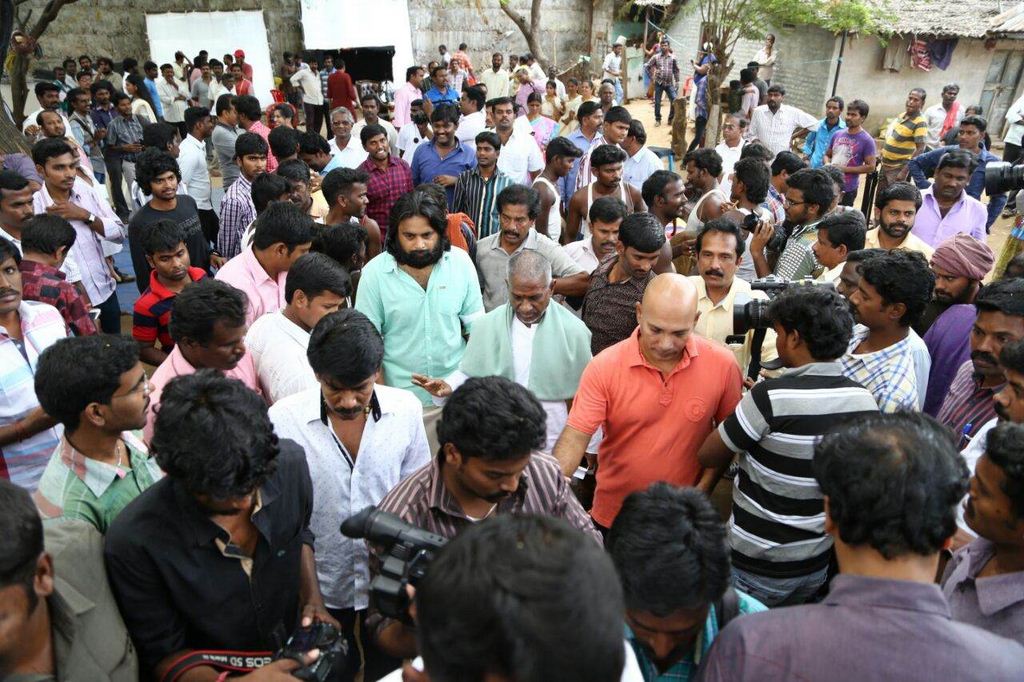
column 90, row 220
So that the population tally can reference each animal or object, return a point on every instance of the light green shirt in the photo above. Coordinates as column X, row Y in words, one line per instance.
column 423, row 330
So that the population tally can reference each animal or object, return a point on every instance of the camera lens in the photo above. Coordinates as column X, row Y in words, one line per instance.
column 1003, row 177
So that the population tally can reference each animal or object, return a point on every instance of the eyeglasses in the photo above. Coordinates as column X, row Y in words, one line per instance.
column 144, row 386
column 789, row 202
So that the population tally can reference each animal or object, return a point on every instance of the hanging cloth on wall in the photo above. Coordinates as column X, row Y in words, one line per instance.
column 894, row 57
column 941, row 52
column 919, row 55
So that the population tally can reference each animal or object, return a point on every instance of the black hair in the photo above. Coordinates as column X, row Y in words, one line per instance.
column 618, row 114
column 893, row 482
column 49, row 148
column 43, row 87
column 838, row 100
column 1005, row 448
column 789, row 162
column 606, row 154
column 282, row 223
column 816, row 186
column 294, row 170
column 439, row 67
column 670, row 549
column 417, row 203
column 1011, row 357
column 492, row 139
column 129, row 63
column 901, row 276
column 192, row 407
column 224, row 103
column 200, row 306
column 526, row 598
column 588, row 108
column 411, row 71
column 642, row 232
column 266, row 189
column 371, row 131
column 562, row 146
column 755, row 178
column 607, row 210
column 898, row 191
column 746, row 76
column 158, row 135
column 476, row 95
column 655, row 185
column 46, row 232
column 519, row 195
column 534, row 97
column 838, row 177
column 369, row 96
column 705, row 159
column 959, row 158
column 1015, row 268
column 284, row 142
column 346, row 347
column 977, row 121
column 722, row 226
column 860, row 106
column 341, row 242
column 9, row 250
column 48, row 112
column 777, row 87
column 21, row 539
column 12, row 181
column 315, row 273
column 492, row 418
column 162, row 236
column 72, row 94
column 820, row 315
column 757, row 150
column 862, row 255
column 313, row 143
column 847, row 228
column 103, row 85
column 1004, row 296
column 637, row 132
column 151, row 164
column 80, row 370
column 248, row 106
column 921, row 92
column 194, row 115
column 286, row 110
column 339, row 181
column 445, row 113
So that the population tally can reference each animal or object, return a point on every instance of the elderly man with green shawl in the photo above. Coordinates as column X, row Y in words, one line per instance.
column 540, row 346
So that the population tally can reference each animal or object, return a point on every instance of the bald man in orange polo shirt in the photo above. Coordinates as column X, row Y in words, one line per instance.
column 657, row 394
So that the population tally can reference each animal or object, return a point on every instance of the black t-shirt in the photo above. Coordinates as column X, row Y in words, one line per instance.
column 185, row 214
column 177, row 591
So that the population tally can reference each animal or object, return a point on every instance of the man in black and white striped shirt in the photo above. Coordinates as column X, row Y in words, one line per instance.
column 780, row 552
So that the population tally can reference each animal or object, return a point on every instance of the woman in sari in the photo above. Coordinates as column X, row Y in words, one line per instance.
column 543, row 127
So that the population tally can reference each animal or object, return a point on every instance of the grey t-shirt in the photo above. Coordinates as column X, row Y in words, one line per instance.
column 224, row 143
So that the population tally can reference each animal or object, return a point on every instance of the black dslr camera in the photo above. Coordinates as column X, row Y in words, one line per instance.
column 1003, row 177
column 333, row 651
column 407, row 552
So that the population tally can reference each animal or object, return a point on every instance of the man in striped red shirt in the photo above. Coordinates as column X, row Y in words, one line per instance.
column 164, row 244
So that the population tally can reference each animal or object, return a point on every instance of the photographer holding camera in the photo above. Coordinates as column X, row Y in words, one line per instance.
column 213, row 565
column 780, row 552
column 808, row 198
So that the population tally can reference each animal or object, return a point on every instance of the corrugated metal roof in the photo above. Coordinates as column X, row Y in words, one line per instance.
column 1010, row 21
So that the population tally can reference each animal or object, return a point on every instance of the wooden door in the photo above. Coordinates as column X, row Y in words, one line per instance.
column 1001, row 83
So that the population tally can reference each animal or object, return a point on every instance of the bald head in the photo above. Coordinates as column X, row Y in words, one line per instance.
column 666, row 317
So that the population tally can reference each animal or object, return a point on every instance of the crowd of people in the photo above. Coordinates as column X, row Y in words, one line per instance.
column 489, row 311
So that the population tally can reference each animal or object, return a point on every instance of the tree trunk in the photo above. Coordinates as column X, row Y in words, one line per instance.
column 714, row 109
column 19, row 87
column 530, row 30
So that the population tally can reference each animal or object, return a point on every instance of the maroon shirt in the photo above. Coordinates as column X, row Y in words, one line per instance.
column 47, row 284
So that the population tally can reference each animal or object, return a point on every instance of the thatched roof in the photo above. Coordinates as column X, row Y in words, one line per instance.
column 951, row 18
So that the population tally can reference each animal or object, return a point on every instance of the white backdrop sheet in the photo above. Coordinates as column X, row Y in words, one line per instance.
column 347, row 24
column 219, row 33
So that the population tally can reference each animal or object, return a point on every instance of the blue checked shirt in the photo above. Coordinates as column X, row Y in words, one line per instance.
column 888, row 373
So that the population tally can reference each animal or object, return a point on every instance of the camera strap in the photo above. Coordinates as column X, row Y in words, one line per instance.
column 231, row 661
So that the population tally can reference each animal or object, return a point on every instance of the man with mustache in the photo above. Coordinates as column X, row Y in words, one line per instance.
column 897, row 205
column 208, row 329
column 487, row 464
column 422, row 295
column 960, row 264
column 361, row 440
column 968, row 405
column 606, row 215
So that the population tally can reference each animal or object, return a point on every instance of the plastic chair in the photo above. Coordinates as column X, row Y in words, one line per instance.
column 665, row 153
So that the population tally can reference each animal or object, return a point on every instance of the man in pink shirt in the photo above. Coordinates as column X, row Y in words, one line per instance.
column 208, row 327
column 657, row 395
column 281, row 234
column 405, row 95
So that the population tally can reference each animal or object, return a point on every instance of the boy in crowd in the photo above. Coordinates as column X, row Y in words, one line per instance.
column 45, row 242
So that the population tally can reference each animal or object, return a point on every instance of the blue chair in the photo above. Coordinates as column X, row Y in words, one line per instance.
column 663, row 153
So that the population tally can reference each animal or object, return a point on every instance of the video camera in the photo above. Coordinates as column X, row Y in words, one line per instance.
column 1003, row 177
column 333, row 651
column 407, row 552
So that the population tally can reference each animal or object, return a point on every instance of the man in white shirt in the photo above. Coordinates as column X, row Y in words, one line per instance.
column 496, row 79
column 195, row 174
column 48, row 95
column 370, row 105
column 348, row 422
column 308, row 80
column 613, row 69
column 776, row 124
column 474, row 118
column 416, row 132
column 173, row 98
column 641, row 162
column 948, row 111
column 520, row 157
column 344, row 145
column 730, row 148
column 316, row 286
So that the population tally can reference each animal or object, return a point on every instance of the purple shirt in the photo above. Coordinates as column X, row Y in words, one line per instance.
column 949, row 345
column 967, row 215
column 851, row 149
column 994, row 603
column 22, row 165
column 865, row 629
